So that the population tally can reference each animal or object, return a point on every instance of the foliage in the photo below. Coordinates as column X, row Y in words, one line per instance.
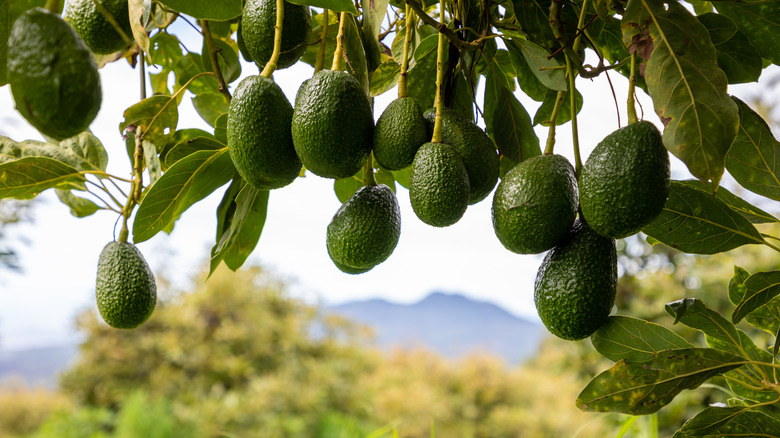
column 11, row 212
column 22, row 410
column 683, row 55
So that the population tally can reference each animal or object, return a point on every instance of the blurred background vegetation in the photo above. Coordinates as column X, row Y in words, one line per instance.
column 239, row 357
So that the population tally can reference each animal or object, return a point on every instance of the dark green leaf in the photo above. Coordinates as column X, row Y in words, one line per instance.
column 79, row 207
column 696, row 222
column 533, row 16
column 206, row 10
column 608, row 37
column 759, row 21
column 736, row 57
column 734, row 421
column 26, row 177
column 384, row 78
column 333, row 5
column 754, row 158
column 210, row 106
column 421, row 80
column 639, row 388
column 737, row 285
column 544, row 112
column 355, row 62
column 766, row 317
column 158, row 115
column 225, row 212
column 346, row 187
column 499, row 64
column 187, row 67
column 688, row 88
column 760, row 288
column 549, row 72
column 750, row 212
column 88, row 152
column 185, row 183
column 634, row 340
column 227, row 58
column 776, row 347
column 191, row 146
column 243, row 233
column 527, row 80
column 508, row 123
column 220, row 130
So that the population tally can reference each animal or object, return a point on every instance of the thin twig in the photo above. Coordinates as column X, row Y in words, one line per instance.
column 212, row 49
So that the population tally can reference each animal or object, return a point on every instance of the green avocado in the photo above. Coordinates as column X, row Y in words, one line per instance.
column 535, row 204
column 576, row 284
column 475, row 148
column 258, row 134
column 332, row 125
column 126, row 291
column 53, row 76
column 365, row 230
column 95, row 29
column 258, row 22
column 438, row 185
column 625, row 181
column 400, row 131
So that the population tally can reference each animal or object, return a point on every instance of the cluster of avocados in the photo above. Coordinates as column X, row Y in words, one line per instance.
column 623, row 186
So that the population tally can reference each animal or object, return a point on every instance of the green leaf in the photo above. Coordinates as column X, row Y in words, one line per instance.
column 87, row 151
column 227, row 58
column 26, row 177
column 385, row 177
column 218, row 10
column 736, row 57
column 210, row 106
column 640, row 388
column 220, row 129
column 688, row 88
column 508, row 122
column 421, row 79
column 766, row 317
column 696, row 222
column 737, row 284
column 527, row 80
column 544, row 112
column 139, row 12
column 79, row 207
column 549, row 72
column 354, row 52
column 165, row 50
column 186, row 182
column 152, row 161
column 187, row 67
column 384, row 78
column 225, row 212
column 760, row 288
column 333, row 5
column 346, row 187
column 759, row 21
column 402, row 177
column 158, row 115
column 750, row 212
column 244, row 226
column 499, row 64
column 190, row 146
column 734, row 421
column 634, row 340
column 534, row 19
column 754, row 158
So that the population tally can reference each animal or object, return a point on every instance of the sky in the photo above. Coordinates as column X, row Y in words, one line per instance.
column 59, row 259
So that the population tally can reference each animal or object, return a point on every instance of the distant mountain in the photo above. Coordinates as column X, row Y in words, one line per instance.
column 36, row 366
column 449, row 324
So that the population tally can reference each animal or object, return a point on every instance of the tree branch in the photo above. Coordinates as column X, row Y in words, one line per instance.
column 442, row 28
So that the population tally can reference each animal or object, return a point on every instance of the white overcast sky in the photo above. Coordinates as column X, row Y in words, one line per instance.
column 38, row 306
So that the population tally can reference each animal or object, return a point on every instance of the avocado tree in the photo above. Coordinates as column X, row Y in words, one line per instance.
column 684, row 55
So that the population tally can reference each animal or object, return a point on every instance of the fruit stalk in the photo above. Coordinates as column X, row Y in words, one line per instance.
column 206, row 31
column 53, row 6
column 270, row 66
column 632, row 117
column 411, row 21
column 320, row 63
column 573, row 105
column 437, row 135
column 368, row 172
column 548, row 149
column 338, row 54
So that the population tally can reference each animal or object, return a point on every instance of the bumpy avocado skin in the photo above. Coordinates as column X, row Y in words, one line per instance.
column 125, row 289
column 535, row 204
column 625, row 181
column 400, row 131
column 93, row 27
column 365, row 230
column 258, row 134
column 438, row 185
column 475, row 148
column 332, row 125
column 257, row 31
column 53, row 76
column 576, row 284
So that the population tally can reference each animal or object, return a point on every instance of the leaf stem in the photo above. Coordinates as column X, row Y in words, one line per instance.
column 437, row 125
column 551, row 133
column 270, row 66
column 573, row 105
column 320, row 63
column 212, row 49
column 411, row 22
column 338, row 54
column 103, row 187
column 632, row 118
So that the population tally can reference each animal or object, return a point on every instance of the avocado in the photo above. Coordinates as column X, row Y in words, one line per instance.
column 53, row 76
column 94, row 28
column 258, row 22
column 125, row 289
column 438, row 185
column 576, row 284
column 535, row 204
column 400, row 131
column 365, row 230
column 258, row 134
column 625, row 181
column 475, row 148
column 332, row 125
